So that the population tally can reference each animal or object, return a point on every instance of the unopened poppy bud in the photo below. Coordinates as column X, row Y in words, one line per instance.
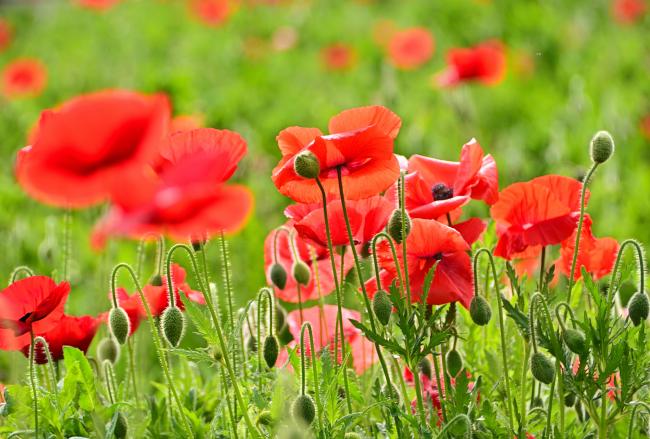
column 173, row 325
column 301, row 273
column 425, row 367
column 271, row 350
column 395, row 225
column 382, row 307
column 570, row 399
column 121, row 426
column 352, row 435
column 251, row 344
column 156, row 280
column 602, row 147
column 638, row 308
column 265, row 418
column 119, row 324
column 304, row 409
column 197, row 244
column 306, row 165
column 480, row 311
column 108, row 350
column 542, row 368
column 454, row 362
column 575, row 340
column 216, row 354
column 278, row 276
column 280, row 318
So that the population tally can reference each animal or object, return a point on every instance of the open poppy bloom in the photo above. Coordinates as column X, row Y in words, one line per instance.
column 338, row 56
column 98, row 5
column 430, row 242
column 543, row 211
column 367, row 218
column 485, row 63
column 211, row 12
column 92, row 147
column 72, row 331
column 595, row 255
column 23, row 78
column 157, row 295
column 628, row 11
column 34, row 304
column 410, row 48
column 312, row 290
column 5, row 34
column 187, row 197
column 360, row 145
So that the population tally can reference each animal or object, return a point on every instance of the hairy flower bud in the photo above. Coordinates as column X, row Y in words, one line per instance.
column 306, row 165
column 173, row 325
column 382, row 307
column 570, row 399
column 301, row 273
column 251, row 344
column 278, row 275
column 119, row 324
column 265, row 418
column 454, row 362
column 156, row 280
column 304, row 409
column 425, row 367
column 108, row 350
column 395, row 225
column 271, row 350
column 638, row 308
column 280, row 315
column 121, row 426
column 575, row 340
column 480, row 311
column 542, row 368
column 602, row 147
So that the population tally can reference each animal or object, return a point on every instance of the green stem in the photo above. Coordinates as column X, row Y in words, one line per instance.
column 17, row 271
column 560, row 391
column 226, row 275
column 633, row 415
column 67, row 219
column 443, row 403
column 522, row 385
column 131, row 357
column 542, row 271
column 32, row 380
column 307, row 326
column 225, row 389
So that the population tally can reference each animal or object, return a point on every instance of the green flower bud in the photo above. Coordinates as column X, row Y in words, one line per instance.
column 425, row 367
column 265, row 418
column 537, row 402
column 301, row 273
column 251, row 343
column 382, row 307
column 542, row 368
column 121, row 426
column 173, row 325
column 638, row 308
column 454, row 362
column 280, row 318
column 108, row 350
column 278, row 276
column 602, row 147
column 156, row 280
column 119, row 324
column 217, row 354
column 570, row 399
column 575, row 340
column 304, row 409
column 306, row 165
column 480, row 311
column 395, row 225
column 271, row 350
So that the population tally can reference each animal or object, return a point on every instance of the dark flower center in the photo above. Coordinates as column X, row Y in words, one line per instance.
column 441, row 191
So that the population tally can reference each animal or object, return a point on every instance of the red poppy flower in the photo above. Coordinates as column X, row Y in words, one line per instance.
column 430, row 242
column 367, row 218
column 410, row 48
column 157, row 295
column 31, row 304
column 360, row 144
column 526, row 263
column 98, row 5
column 543, row 211
column 628, row 11
column 72, row 331
column 312, row 290
column 485, row 63
column 211, row 12
column 92, row 147
column 188, row 197
column 5, row 34
column 596, row 255
column 471, row 229
column 24, row 77
column 338, row 56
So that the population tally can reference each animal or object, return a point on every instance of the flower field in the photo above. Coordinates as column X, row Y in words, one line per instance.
column 324, row 219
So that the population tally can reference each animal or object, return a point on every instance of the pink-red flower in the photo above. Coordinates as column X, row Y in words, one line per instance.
column 24, row 77
column 158, row 296
column 5, row 34
column 628, row 11
column 485, row 63
column 411, row 48
column 338, row 56
column 98, row 5
column 211, row 12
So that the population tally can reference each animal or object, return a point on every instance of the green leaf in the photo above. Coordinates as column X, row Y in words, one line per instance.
column 79, row 381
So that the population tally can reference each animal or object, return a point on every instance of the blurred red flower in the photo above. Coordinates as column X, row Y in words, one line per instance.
column 5, row 34
column 430, row 242
column 187, row 197
column 543, row 211
column 410, row 48
column 360, row 144
column 211, row 12
column 92, row 147
column 485, row 63
column 338, row 56
column 24, row 77
column 157, row 295
column 98, row 5
column 628, row 11
column 31, row 304
column 72, row 331
column 645, row 126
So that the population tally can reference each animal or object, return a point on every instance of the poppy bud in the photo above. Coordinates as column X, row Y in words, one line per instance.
column 542, row 368
column 280, row 318
column 479, row 310
column 271, row 350
column 352, row 435
column 575, row 341
column 108, row 350
column 156, row 280
column 454, row 362
column 306, row 165
column 251, row 344
column 265, row 418
column 395, row 225
column 216, row 354
column 390, row 392
column 602, row 147
column 304, row 409
column 638, row 308
column 425, row 367
column 278, row 276
column 173, row 325
column 382, row 307
column 119, row 324
column 197, row 244
column 301, row 273
column 121, row 426
column 570, row 399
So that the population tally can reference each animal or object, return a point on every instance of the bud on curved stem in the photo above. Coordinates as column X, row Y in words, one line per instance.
column 50, row 363
column 573, row 338
column 303, row 385
column 108, row 350
column 119, row 324
column 640, row 304
column 541, row 366
column 277, row 273
column 33, row 380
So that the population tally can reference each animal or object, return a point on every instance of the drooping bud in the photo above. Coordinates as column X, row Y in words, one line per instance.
column 251, row 344
column 121, row 426
column 271, row 350
column 638, row 308
column 301, row 273
column 382, row 307
column 602, row 147
column 280, row 315
column 265, row 418
column 542, row 368
column 108, row 350
column 173, row 325
column 306, row 165
column 575, row 341
column 278, row 275
column 480, row 311
column 570, row 399
column 156, row 280
column 454, row 362
column 304, row 409
column 119, row 324
column 395, row 225
column 425, row 367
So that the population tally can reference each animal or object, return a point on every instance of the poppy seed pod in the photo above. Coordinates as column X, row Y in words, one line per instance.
column 119, row 324
column 306, row 165
column 173, row 325
column 638, row 308
column 602, row 147
column 454, row 362
column 156, row 280
column 108, row 350
column 480, row 311
column 542, row 368
column 121, row 426
column 425, row 367
column 575, row 340
column 278, row 276
column 265, row 418
column 301, row 273
column 271, row 350
column 304, row 409
column 382, row 307
column 395, row 225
